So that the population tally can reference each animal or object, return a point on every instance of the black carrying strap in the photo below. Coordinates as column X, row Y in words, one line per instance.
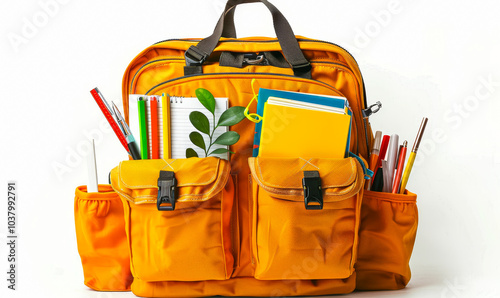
column 232, row 59
column 229, row 29
column 196, row 55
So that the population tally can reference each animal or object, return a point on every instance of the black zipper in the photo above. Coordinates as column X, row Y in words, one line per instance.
column 270, row 40
column 237, row 73
column 168, row 59
column 177, row 39
column 275, row 40
column 148, row 63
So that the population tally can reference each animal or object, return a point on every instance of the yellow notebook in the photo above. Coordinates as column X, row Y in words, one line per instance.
column 292, row 129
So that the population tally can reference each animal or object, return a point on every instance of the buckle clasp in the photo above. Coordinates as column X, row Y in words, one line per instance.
column 167, row 185
column 313, row 194
column 194, row 56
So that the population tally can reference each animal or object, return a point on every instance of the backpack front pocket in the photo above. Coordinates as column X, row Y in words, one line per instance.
column 296, row 239
column 192, row 242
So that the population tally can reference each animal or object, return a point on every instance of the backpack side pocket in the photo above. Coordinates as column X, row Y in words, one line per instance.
column 386, row 237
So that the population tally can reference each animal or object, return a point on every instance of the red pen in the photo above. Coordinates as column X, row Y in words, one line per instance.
column 399, row 171
column 383, row 151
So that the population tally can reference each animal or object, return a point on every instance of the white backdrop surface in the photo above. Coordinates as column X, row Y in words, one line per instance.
column 419, row 58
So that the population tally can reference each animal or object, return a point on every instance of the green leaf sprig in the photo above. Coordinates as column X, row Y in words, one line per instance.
column 231, row 116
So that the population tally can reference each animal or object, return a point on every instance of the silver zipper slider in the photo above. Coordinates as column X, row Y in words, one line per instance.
column 371, row 109
column 254, row 59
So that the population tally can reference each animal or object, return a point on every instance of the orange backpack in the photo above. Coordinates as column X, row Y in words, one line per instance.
column 239, row 227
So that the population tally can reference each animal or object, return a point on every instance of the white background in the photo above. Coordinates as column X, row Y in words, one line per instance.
column 420, row 58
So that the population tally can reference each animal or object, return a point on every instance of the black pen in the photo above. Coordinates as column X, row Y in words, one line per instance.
column 378, row 181
column 131, row 143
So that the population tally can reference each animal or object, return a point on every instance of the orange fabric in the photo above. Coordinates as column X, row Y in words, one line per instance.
column 160, row 69
column 190, row 243
column 240, row 227
column 387, row 234
column 290, row 242
column 243, row 286
column 152, row 70
column 238, row 89
column 170, row 257
column 101, row 239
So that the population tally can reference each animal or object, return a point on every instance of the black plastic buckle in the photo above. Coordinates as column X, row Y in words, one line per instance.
column 166, row 191
column 194, row 56
column 313, row 195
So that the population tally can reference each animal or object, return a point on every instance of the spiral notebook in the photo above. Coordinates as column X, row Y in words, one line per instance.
column 180, row 126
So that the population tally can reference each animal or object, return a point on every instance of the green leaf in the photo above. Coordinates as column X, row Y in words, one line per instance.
column 200, row 122
column 220, row 151
column 191, row 153
column 206, row 98
column 228, row 138
column 197, row 139
column 231, row 116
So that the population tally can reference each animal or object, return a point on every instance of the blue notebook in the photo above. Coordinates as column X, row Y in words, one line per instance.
column 327, row 100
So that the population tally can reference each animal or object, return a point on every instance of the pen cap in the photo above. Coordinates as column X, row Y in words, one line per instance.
column 383, row 146
column 419, row 135
column 377, row 141
column 392, row 153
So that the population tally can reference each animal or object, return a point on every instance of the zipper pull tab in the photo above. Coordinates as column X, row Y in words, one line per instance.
column 368, row 173
column 371, row 109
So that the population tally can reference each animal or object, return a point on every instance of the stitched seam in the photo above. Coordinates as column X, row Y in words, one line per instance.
column 149, row 67
column 211, row 179
column 308, row 162
column 155, row 186
column 129, row 186
column 393, row 200
column 238, row 76
column 357, row 224
column 223, row 248
column 326, row 186
column 348, row 192
column 343, row 63
column 126, row 196
column 328, row 66
column 215, row 188
column 168, row 164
